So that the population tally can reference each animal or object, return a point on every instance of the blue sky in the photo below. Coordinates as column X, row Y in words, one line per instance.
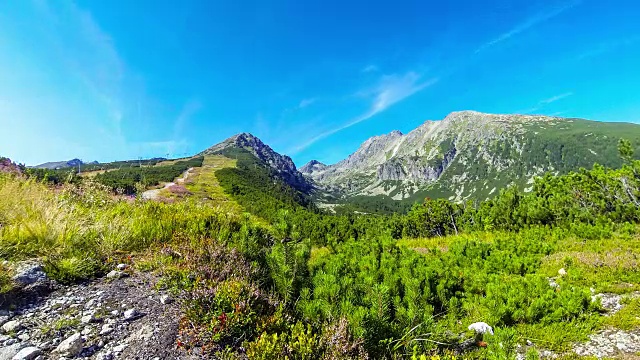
column 107, row 80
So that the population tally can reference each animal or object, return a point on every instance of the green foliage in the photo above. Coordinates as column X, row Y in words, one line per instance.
column 125, row 180
column 301, row 284
column 298, row 343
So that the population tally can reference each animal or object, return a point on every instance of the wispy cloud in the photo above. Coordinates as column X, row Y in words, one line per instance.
column 306, row 102
column 558, row 113
column 188, row 110
column 556, row 98
column 391, row 90
column 89, row 53
column 529, row 23
column 606, row 47
column 370, row 68
column 542, row 103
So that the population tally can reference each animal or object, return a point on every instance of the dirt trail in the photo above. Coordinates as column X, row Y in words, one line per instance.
column 154, row 194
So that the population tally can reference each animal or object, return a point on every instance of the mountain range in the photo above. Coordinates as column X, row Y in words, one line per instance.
column 470, row 155
column 466, row 155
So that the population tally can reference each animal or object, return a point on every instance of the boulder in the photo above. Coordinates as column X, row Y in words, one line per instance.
column 28, row 353
column 71, row 346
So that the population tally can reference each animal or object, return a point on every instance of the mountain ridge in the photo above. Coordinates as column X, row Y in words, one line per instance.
column 467, row 147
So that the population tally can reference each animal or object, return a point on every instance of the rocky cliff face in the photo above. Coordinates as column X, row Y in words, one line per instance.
column 471, row 154
column 282, row 165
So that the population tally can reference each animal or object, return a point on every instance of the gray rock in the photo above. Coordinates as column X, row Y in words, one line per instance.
column 29, row 273
column 608, row 343
column 8, row 352
column 131, row 314
column 122, row 266
column 11, row 326
column 71, row 346
column 28, row 353
column 166, row 299
column 24, row 337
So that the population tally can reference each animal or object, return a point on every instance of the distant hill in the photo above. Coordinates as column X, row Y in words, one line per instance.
column 63, row 164
column 471, row 155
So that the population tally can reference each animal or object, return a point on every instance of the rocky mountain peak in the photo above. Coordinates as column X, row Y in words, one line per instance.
column 312, row 167
column 282, row 164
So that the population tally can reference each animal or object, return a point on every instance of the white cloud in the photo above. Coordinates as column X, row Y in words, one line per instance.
column 370, row 68
column 391, row 90
column 306, row 102
column 556, row 98
column 529, row 23
column 542, row 103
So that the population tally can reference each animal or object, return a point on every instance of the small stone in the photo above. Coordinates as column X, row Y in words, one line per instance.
column 115, row 313
column 562, row 272
column 71, row 346
column 12, row 326
column 115, row 274
column 86, row 331
column 119, row 348
column 106, row 329
column 166, row 299
column 87, row 319
column 28, row 353
column 131, row 314
column 122, row 266
column 10, row 342
column 24, row 337
column 104, row 356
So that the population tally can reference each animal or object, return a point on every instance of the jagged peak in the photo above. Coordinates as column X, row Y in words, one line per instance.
column 311, row 166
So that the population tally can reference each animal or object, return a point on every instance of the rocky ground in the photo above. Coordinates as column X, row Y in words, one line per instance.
column 607, row 343
column 121, row 316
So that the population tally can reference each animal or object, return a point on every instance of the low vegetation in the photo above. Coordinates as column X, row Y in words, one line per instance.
column 287, row 281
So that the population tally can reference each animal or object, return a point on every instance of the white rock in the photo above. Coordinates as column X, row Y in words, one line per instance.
column 88, row 319
column 7, row 352
column 104, row 356
column 28, row 353
column 119, row 348
column 86, row 331
column 166, row 299
column 71, row 346
column 562, row 272
column 131, row 314
column 24, row 337
column 115, row 274
column 106, row 329
column 12, row 326
column 122, row 266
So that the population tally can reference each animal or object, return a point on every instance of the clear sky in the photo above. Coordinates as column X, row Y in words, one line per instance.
column 122, row 79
